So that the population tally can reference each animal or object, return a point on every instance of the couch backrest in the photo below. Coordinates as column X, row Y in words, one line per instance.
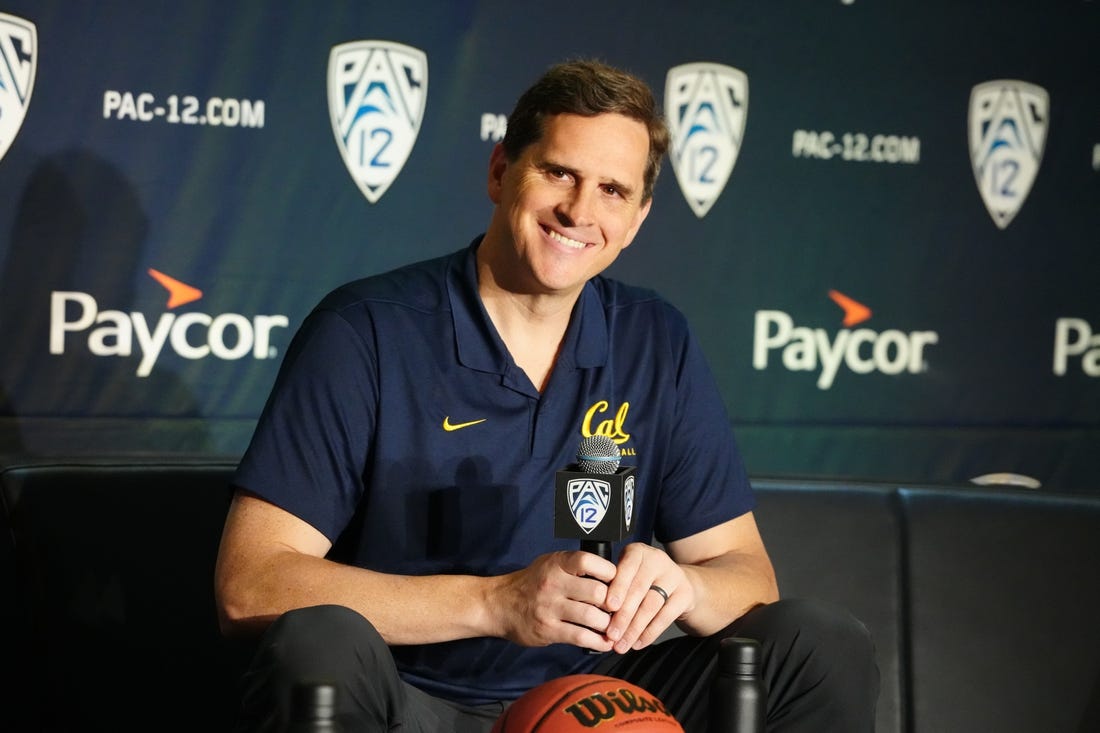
column 983, row 603
column 842, row 544
column 1003, row 596
column 115, row 565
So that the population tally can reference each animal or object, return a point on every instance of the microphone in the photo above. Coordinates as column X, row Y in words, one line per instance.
column 594, row 498
column 598, row 454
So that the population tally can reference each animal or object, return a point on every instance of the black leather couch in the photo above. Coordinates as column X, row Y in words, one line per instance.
column 984, row 603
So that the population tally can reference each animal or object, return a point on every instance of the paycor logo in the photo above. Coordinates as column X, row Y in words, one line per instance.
column 861, row 350
column 1074, row 337
column 192, row 335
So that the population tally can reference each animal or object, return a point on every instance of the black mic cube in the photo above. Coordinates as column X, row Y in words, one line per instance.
column 594, row 507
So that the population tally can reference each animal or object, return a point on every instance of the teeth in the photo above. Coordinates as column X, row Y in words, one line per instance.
column 566, row 240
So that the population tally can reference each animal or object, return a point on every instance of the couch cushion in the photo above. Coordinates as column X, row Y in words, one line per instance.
column 841, row 543
column 115, row 564
column 1004, row 611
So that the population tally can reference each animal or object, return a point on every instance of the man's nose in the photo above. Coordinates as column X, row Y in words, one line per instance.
column 578, row 207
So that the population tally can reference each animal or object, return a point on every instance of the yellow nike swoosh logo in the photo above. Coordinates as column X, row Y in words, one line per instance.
column 451, row 427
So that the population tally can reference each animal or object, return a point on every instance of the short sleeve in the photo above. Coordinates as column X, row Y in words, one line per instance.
column 313, row 437
column 705, row 482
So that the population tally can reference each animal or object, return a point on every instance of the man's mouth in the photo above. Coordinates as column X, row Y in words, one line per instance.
column 572, row 243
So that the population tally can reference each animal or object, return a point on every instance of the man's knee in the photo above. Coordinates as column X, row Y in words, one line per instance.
column 813, row 645
column 320, row 640
column 330, row 644
column 318, row 622
column 824, row 623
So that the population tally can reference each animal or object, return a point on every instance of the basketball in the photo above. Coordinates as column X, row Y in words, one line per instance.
column 581, row 702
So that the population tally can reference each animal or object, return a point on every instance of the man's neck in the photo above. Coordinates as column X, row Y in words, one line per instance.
column 532, row 325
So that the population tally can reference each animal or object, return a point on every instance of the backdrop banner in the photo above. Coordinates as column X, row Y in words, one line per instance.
column 880, row 218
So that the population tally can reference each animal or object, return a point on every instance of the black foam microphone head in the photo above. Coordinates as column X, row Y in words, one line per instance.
column 598, row 454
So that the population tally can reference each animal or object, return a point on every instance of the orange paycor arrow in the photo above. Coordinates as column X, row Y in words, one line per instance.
column 178, row 293
column 854, row 312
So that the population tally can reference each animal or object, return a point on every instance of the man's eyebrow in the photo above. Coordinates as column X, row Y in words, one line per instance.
column 625, row 189
column 549, row 165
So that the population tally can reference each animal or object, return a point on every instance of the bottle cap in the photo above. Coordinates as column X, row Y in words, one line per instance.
column 313, row 700
column 738, row 655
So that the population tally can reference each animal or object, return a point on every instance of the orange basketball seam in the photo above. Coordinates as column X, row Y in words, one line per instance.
column 562, row 698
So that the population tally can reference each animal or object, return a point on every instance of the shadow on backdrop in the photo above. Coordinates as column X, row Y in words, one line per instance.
column 79, row 227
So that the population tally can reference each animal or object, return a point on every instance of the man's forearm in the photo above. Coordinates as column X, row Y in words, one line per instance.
column 404, row 609
column 726, row 587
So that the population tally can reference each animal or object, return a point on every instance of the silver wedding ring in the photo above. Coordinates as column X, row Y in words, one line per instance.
column 661, row 591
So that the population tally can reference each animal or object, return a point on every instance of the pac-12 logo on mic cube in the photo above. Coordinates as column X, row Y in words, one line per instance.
column 594, row 498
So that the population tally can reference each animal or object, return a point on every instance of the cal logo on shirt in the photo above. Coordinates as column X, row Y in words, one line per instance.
column 599, row 420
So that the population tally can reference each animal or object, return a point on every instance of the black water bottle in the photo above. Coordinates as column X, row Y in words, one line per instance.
column 313, row 708
column 737, row 699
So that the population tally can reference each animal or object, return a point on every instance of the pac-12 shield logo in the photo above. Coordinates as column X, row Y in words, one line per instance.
column 706, row 106
column 18, row 60
column 377, row 91
column 588, row 501
column 628, row 501
column 1007, row 125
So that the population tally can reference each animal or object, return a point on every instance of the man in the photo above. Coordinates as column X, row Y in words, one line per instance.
column 392, row 528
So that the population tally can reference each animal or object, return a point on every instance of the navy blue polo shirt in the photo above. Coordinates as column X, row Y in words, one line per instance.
column 401, row 428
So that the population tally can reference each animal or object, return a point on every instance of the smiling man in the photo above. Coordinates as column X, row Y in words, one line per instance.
column 567, row 205
column 392, row 526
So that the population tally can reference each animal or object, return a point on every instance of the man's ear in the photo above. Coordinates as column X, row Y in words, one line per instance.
column 498, row 163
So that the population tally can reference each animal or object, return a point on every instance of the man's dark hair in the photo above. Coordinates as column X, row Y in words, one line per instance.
column 588, row 88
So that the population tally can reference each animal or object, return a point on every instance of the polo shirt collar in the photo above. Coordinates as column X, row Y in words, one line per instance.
column 480, row 347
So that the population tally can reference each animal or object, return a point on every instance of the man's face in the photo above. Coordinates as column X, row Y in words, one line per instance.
column 572, row 201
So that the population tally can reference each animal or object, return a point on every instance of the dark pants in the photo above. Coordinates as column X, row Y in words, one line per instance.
column 818, row 667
